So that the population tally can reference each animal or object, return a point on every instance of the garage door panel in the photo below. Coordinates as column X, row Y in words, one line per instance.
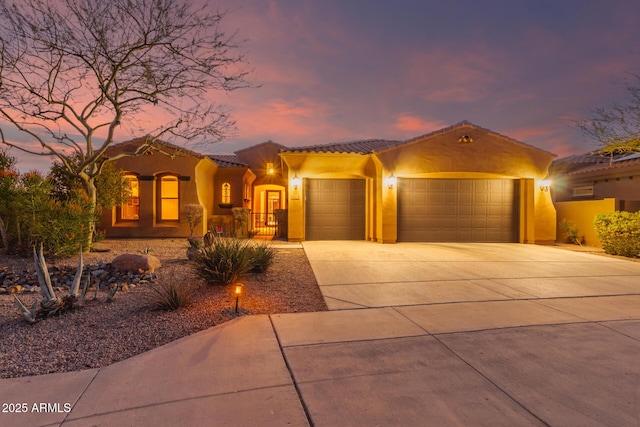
column 335, row 209
column 474, row 210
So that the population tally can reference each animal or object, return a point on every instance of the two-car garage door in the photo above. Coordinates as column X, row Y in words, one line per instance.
column 429, row 210
column 458, row 210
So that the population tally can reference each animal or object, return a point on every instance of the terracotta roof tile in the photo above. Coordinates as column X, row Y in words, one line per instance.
column 227, row 160
column 366, row 146
column 616, row 164
column 581, row 159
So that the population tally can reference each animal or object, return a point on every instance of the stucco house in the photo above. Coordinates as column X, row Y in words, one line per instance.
column 585, row 185
column 462, row 183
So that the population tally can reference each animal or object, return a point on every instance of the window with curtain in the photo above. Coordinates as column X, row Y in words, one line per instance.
column 169, row 198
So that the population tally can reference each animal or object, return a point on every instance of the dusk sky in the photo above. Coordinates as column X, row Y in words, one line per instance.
column 343, row 70
column 353, row 69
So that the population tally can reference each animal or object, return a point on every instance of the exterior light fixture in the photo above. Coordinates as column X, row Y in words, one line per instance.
column 270, row 169
column 295, row 182
column 238, row 289
column 465, row 139
column 544, row 184
column 390, row 181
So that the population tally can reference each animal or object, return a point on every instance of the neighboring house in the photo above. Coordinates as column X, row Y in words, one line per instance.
column 585, row 185
column 463, row 183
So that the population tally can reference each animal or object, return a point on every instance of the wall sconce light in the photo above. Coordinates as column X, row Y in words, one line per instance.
column 544, row 185
column 270, row 169
column 238, row 289
column 390, row 181
column 295, row 182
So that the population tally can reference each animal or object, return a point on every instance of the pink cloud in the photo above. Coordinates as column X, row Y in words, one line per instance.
column 292, row 122
column 412, row 125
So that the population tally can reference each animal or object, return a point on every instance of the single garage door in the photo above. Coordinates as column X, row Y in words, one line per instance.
column 458, row 210
column 335, row 209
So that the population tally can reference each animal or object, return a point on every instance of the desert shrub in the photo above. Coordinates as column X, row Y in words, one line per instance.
column 261, row 257
column 170, row 294
column 619, row 233
column 50, row 210
column 192, row 214
column 571, row 232
column 224, row 261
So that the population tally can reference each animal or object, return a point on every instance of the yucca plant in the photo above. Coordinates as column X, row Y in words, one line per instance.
column 50, row 303
column 170, row 294
column 262, row 255
column 224, row 260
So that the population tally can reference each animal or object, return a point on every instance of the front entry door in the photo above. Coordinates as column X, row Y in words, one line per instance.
column 273, row 203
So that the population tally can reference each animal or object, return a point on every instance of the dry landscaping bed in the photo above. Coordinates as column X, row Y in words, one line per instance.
column 102, row 333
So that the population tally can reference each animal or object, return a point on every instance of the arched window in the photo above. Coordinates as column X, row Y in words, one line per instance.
column 169, row 198
column 130, row 209
column 226, row 193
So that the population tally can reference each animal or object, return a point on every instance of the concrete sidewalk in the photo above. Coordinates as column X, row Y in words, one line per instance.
column 494, row 335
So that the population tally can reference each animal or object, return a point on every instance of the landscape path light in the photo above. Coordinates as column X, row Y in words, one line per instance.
column 238, row 290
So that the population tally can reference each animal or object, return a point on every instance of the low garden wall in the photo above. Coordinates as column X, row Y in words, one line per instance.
column 582, row 213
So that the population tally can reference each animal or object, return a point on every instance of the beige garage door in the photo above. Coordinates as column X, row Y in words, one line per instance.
column 458, row 210
column 335, row 209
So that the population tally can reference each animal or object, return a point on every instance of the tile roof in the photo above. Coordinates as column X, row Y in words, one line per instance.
column 366, row 146
column 467, row 124
column 616, row 164
column 579, row 164
column 583, row 159
column 227, row 160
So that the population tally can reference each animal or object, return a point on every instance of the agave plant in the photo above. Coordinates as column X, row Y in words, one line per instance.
column 50, row 303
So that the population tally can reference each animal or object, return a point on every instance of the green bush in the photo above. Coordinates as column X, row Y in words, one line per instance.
column 224, row 261
column 619, row 233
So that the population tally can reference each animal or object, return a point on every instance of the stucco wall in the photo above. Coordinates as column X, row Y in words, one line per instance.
column 148, row 168
column 438, row 155
column 582, row 214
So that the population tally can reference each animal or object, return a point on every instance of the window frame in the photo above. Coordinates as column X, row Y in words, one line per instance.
column 134, row 201
column 589, row 191
column 160, row 198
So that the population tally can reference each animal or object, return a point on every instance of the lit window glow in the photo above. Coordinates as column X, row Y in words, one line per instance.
column 169, row 201
column 130, row 210
column 226, row 193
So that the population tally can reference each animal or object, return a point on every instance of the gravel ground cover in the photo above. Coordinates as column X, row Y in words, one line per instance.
column 101, row 333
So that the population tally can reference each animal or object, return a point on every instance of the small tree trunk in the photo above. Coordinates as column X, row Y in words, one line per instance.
column 92, row 193
column 3, row 234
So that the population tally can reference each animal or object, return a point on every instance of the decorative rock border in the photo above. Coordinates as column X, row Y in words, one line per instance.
column 102, row 274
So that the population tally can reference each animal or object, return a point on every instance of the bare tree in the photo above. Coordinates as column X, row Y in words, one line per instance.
column 76, row 73
column 617, row 128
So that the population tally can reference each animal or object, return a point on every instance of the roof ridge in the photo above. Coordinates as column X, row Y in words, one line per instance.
column 466, row 123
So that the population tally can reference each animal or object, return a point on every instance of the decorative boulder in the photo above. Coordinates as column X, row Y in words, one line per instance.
column 135, row 262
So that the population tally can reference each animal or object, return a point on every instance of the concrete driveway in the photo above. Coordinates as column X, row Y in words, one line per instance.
column 467, row 334
column 418, row 334
column 364, row 275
